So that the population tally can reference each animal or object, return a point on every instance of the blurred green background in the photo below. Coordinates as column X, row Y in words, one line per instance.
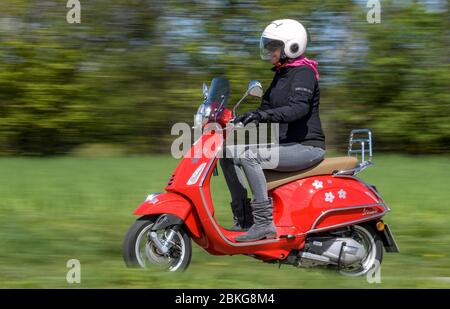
column 86, row 111
column 57, row 209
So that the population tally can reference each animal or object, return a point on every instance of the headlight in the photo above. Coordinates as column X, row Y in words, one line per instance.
column 207, row 112
column 201, row 118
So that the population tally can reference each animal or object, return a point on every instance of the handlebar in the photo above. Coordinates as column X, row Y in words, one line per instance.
column 239, row 125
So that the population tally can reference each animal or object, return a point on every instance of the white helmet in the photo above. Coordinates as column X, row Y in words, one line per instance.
column 288, row 34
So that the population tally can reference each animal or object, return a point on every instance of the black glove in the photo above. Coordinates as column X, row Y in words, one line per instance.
column 253, row 116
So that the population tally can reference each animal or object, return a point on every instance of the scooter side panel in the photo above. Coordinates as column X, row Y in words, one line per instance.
column 323, row 201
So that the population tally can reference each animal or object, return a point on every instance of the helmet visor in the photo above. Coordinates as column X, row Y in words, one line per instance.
column 268, row 46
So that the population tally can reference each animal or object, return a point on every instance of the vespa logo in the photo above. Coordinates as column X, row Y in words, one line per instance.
column 368, row 211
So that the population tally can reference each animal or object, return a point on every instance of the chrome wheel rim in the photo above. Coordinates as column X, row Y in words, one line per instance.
column 365, row 238
column 147, row 254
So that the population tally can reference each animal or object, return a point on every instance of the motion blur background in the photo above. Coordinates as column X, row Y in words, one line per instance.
column 86, row 111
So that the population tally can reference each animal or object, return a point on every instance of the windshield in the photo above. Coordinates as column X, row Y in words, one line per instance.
column 215, row 102
column 218, row 92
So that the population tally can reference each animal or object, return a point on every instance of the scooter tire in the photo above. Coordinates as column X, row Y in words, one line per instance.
column 129, row 251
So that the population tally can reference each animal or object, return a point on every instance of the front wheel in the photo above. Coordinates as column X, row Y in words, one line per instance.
column 140, row 251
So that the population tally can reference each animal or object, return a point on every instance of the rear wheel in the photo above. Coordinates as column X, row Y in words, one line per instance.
column 140, row 251
column 367, row 237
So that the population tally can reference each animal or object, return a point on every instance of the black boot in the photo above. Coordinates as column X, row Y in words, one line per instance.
column 242, row 215
column 248, row 215
column 263, row 226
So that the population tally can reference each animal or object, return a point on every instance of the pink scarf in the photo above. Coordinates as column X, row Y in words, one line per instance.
column 302, row 60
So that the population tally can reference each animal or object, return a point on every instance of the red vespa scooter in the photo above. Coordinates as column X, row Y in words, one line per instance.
column 325, row 216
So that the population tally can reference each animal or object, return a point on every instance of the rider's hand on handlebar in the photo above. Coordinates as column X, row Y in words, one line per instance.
column 252, row 116
column 240, row 118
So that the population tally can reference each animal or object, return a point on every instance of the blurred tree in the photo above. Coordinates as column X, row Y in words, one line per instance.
column 132, row 68
column 399, row 84
column 41, row 111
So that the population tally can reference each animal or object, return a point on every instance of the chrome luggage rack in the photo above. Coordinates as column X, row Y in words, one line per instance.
column 365, row 142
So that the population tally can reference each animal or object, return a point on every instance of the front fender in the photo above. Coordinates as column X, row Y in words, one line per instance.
column 171, row 203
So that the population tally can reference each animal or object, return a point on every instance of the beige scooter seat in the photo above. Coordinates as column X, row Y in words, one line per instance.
column 326, row 167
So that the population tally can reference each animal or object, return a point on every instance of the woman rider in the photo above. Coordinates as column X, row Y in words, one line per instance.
column 292, row 100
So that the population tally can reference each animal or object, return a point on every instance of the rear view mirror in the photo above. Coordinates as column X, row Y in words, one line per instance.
column 255, row 89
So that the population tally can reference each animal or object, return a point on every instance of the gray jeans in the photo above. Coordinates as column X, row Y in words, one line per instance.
column 290, row 157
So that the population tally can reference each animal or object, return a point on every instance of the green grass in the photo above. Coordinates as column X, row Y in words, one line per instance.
column 56, row 209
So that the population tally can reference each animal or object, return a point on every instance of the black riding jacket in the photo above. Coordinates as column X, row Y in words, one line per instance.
column 292, row 100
